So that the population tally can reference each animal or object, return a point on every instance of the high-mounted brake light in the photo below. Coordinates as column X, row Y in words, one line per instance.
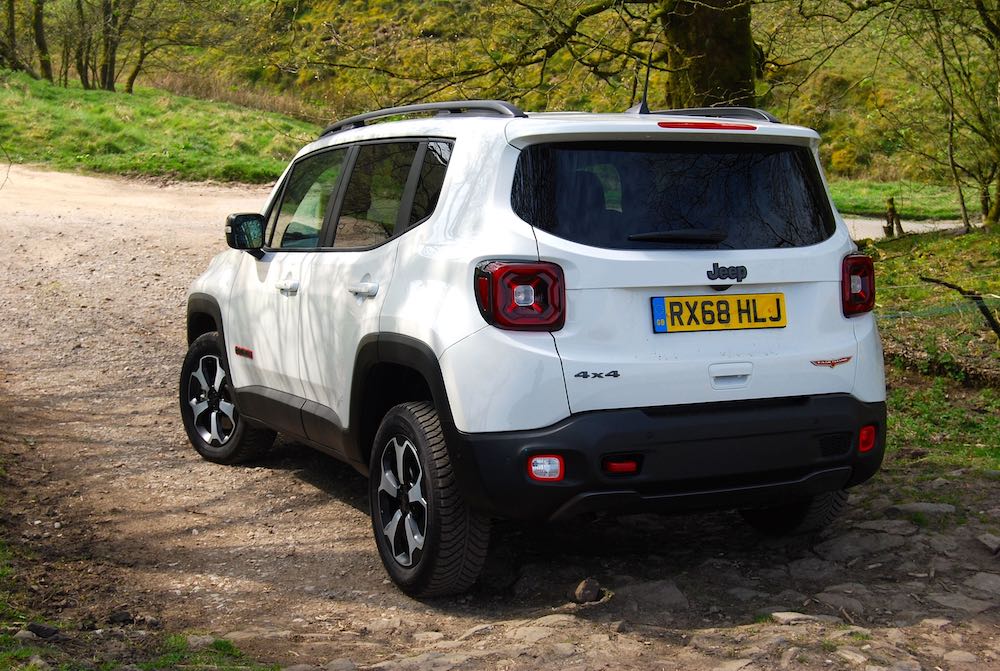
column 707, row 125
column 521, row 296
column 858, row 284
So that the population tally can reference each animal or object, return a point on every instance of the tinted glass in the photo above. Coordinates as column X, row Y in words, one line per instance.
column 759, row 196
column 307, row 194
column 371, row 204
column 432, row 172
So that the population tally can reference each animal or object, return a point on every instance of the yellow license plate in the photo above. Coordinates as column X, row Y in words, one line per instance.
column 672, row 314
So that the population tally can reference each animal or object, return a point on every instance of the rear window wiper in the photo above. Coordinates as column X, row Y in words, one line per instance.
column 683, row 235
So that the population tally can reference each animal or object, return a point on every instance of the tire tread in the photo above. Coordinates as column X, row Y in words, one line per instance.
column 463, row 536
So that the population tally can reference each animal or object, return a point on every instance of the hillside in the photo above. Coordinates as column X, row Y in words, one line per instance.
column 150, row 133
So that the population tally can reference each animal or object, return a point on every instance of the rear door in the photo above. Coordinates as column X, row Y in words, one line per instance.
column 392, row 186
column 696, row 271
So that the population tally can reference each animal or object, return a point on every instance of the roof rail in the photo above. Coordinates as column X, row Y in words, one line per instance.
column 490, row 107
column 751, row 113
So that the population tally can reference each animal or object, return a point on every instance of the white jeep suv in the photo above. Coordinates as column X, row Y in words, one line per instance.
column 495, row 314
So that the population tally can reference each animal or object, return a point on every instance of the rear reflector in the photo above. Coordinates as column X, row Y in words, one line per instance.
column 857, row 285
column 866, row 438
column 621, row 465
column 546, row 468
column 706, row 125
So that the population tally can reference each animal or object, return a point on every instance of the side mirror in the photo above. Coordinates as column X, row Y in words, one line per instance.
column 246, row 232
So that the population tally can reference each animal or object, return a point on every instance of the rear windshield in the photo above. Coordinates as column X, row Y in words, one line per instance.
column 752, row 196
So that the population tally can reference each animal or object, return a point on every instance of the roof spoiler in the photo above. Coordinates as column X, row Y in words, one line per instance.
column 750, row 113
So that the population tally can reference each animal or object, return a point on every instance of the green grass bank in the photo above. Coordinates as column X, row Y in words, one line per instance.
column 150, row 133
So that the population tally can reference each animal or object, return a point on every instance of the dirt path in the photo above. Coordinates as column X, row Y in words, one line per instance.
column 124, row 516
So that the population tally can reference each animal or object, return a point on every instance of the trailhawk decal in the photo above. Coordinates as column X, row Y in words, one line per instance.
column 831, row 363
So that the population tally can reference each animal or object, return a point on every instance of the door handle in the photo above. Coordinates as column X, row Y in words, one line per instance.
column 287, row 286
column 364, row 289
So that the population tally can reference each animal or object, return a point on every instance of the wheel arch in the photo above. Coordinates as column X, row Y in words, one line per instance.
column 203, row 316
column 390, row 369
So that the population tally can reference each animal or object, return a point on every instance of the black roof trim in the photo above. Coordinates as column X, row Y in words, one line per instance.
column 751, row 113
column 489, row 107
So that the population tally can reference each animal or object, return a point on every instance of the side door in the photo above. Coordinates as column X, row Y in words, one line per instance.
column 267, row 318
column 391, row 187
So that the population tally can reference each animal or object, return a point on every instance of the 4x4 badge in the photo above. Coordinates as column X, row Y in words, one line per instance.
column 738, row 273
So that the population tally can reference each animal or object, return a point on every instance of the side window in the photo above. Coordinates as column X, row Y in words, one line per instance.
column 432, row 173
column 308, row 191
column 374, row 192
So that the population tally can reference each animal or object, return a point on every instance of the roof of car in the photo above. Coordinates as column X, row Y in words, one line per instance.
column 454, row 119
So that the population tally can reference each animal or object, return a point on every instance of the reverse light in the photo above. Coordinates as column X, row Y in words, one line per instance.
column 857, row 285
column 521, row 296
column 866, row 438
column 546, row 468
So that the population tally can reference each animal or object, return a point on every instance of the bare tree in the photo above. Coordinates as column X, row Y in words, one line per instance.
column 955, row 53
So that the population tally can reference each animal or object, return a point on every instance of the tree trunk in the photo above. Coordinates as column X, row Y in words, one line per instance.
column 710, row 53
column 139, row 61
column 38, row 24
column 109, row 46
column 994, row 214
column 64, row 62
column 10, row 39
column 81, row 52
column 984, row 199
column 966, row 225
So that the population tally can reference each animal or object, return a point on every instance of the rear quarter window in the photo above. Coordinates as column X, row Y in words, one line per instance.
column 758, row 196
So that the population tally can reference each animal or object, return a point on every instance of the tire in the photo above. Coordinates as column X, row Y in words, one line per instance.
column 430, row 541
column 208, row 409
column 799, row 517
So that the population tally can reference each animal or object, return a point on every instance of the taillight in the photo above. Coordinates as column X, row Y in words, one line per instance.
column 858, row 284
column 521, row 296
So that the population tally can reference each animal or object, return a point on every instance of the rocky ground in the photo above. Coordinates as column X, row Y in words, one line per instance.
column 122, row 533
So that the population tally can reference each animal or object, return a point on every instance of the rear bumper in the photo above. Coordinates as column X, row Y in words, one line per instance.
column 718, row 455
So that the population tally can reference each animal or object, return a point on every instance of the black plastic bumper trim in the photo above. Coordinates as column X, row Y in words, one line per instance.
column 737, row 454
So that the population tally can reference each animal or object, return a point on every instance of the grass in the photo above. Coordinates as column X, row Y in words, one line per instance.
column 914, row 201
column 938, row 422
column 150, row 133
column 932, row 328
column 221, row 655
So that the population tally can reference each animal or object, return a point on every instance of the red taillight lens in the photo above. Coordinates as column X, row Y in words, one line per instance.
column 866, row 438
column 858, row 284
column 521, row 296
